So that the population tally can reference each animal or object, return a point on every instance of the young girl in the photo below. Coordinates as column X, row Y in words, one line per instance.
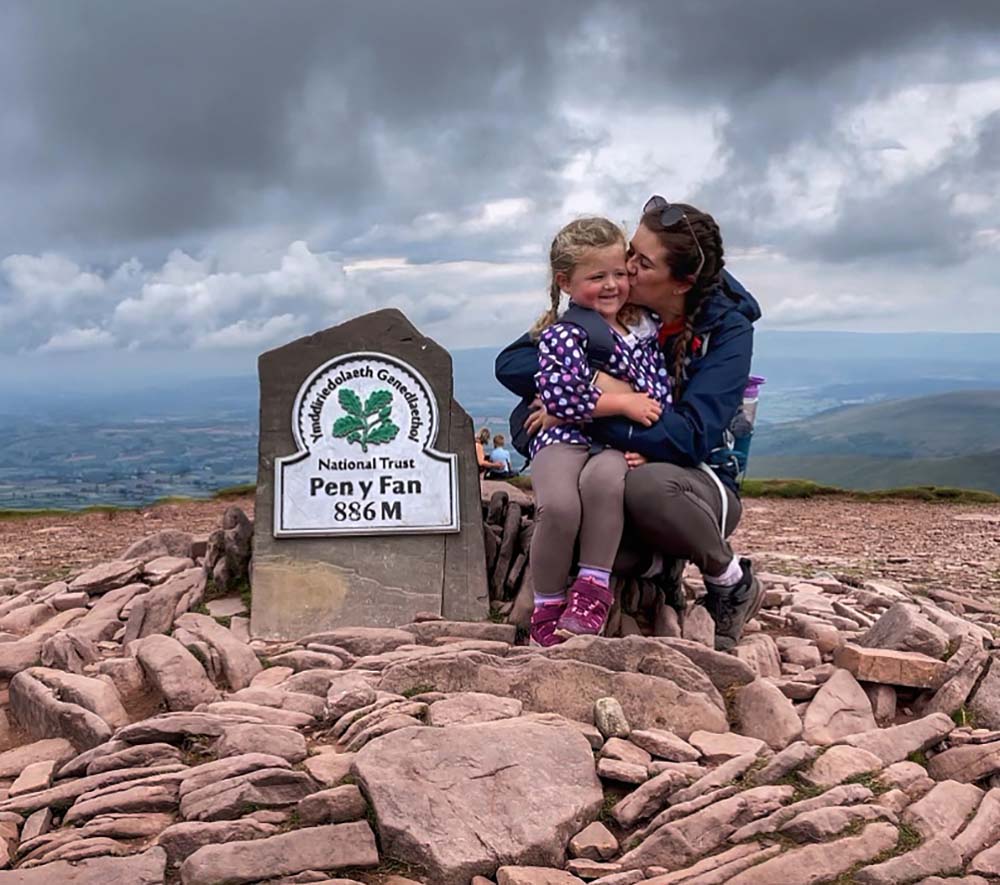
column 579, row 487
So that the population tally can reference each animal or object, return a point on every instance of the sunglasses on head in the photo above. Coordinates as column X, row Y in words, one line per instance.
column 671, row 215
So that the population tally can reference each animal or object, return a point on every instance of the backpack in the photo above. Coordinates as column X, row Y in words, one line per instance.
column 600, row 347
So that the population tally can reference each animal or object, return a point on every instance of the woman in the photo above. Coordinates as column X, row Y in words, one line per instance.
column 485, row 464
column 678, row 501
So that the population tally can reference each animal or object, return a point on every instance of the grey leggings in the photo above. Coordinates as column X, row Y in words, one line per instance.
column 575, row 494
column 676, row 511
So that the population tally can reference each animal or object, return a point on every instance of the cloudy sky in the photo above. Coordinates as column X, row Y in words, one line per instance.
column 185, row 184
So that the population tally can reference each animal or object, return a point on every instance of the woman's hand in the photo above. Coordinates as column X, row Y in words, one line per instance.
column 539, row 419
column 634, row 459
column 641, row 408
column 609, row 384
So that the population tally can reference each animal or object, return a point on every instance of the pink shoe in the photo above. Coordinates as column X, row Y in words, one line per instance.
column 587, row 610
column 543, row 623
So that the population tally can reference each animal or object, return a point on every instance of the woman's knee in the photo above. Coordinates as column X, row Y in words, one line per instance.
column 653, row 489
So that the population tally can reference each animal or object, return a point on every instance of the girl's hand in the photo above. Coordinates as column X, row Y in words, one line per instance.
column 634, row 459
column 642, row 409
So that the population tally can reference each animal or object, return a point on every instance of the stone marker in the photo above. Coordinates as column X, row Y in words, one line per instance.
column 368, row 503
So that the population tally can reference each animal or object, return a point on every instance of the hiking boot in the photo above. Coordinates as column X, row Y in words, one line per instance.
column 732, row 607
column 544, row 618
column 587, row 609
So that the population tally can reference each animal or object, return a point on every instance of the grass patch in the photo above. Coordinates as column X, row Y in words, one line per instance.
column 805, row 488
column 869, row 779
column 802, row 789
column 749, row 777
column 497, row 617
column 908, row 839
column 238, row 491
column 918, row 756
column 610, row 801
column 196, row 751
column 521, row 481
column 109, row 509
column 964, row 717
column 417, row 689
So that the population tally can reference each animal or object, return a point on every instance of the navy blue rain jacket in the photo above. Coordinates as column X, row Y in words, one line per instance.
column 709, row 400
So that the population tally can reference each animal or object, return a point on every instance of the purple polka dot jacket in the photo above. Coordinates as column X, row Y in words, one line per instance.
column 564, row 377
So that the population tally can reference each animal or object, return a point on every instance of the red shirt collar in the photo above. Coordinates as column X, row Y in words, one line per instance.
column 669, row 329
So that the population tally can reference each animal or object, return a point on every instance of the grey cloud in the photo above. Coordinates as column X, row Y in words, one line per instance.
column 137, row 129
column 171, row 119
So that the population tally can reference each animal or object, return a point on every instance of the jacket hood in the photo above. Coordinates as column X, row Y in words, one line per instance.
column 728, row 296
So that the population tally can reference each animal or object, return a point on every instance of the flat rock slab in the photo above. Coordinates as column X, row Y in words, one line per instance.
column 147, row 868
column 363, row 641
column 821, row 863
column 174, row 671
column 966, row 764
column 169, row 542
column 12, row 762
column 472, row 706
column 891, row 667
column 175, row 727
column 452, row 800
column 568, row 688
column 239, row 663
column 944, row 810
column 184, row 839
column 936, row 856
column 107, row 576
column 329, row 848
column 838, row 764
column 903, row 628
column 895, row 743
column 535, row 876
column 37, row 707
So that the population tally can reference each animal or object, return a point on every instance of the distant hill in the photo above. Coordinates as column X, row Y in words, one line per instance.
column 948, row 439
column 953, row 424
column 866, row 472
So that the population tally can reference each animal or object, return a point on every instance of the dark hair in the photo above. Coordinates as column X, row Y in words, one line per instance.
column 682, row 259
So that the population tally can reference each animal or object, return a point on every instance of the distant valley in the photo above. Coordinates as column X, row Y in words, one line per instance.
column 856, row 410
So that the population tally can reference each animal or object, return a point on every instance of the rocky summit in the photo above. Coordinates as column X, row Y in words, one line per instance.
column 853, row 735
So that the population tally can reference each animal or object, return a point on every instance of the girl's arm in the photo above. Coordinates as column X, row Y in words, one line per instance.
column 708, row 402
column 565, row 385
column 563, row 377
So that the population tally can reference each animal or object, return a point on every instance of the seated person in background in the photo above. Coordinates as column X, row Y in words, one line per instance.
column 485, row 464
column 501, row 456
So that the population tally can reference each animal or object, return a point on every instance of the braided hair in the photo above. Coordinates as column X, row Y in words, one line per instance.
column 567, row 249
column 682, row 259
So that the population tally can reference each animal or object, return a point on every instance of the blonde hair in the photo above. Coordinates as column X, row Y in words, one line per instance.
column 567, row 249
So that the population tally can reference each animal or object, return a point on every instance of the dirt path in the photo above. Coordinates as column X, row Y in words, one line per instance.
column 50, row 547
column 949, row 546
column 944, row 545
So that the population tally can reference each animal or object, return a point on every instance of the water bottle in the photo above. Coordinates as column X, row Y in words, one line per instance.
column 742, row 424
